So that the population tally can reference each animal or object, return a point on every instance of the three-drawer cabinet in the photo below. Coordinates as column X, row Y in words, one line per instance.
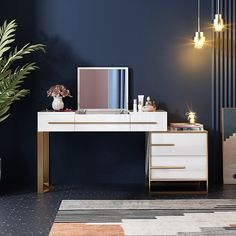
column 178, row 156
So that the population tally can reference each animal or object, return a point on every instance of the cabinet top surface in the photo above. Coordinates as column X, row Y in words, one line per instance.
column 49, row 112
column 180, row 132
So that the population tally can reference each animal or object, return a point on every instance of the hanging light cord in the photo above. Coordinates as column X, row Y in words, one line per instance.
column 218, row 7
column 198, row 15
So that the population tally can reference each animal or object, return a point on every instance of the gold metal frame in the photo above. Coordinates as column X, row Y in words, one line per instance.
column 43, row 162
column 43, row 157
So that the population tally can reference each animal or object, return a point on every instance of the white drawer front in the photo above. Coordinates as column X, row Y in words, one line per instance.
column 91, row 122
column 179, row 144
column 148, row 121
column 56, row 121
column 179, row 161
column 179, row 168
column 177, row 175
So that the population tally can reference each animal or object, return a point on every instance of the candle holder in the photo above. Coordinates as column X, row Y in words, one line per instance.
column 191, row 116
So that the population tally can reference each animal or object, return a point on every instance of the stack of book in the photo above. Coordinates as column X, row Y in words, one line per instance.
column 186, row 126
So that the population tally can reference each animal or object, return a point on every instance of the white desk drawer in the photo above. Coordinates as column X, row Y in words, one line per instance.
column 148, row 121
column 179, row 161
column 177, row 175
column 179, row 144
column 56, row 121
column 101, row 122
column 179, row 168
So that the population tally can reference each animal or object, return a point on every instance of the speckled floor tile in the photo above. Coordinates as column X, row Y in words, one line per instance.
column 26, row 213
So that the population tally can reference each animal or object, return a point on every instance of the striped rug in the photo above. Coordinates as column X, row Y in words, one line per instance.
column 145, row 217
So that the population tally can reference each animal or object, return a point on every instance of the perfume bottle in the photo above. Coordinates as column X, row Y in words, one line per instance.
column 135, row 105
column 140, row 102
column 140, row 107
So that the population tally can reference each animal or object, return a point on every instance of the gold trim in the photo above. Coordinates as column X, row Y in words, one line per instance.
column 149, row 159
column 40, row 162
column 46, row 157
column 168, row 167
column 163, row 145
column 46, row 187
column 103, row 123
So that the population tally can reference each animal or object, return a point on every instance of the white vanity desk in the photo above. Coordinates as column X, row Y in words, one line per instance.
column 73, row 122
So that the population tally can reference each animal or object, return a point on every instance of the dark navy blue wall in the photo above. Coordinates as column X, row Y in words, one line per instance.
column 151, row 37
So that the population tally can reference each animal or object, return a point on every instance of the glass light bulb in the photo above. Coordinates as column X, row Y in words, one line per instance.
column 218, row 23
column 191, row 117
column 199, row 40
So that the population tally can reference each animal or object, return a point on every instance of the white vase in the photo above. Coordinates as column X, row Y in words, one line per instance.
column 57, row 103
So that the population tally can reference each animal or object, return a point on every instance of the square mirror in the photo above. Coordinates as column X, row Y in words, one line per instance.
column 103, row 88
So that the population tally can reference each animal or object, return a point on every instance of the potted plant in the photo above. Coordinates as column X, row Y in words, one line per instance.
column 11, row 75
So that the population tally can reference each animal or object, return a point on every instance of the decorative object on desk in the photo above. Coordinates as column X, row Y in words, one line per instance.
column 186, row 126
column 57, row 103
column 11, row 74
column 191, row 116
column 148, row 102
column 140, row 102
column 149, row 105
column 135, row 105
column 154, row 105
column 58, row 92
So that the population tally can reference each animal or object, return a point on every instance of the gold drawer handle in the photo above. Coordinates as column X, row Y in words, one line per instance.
column 60, row 123
column 164, row 145
column 169, row 167
column 101, row 122
column 85, row 123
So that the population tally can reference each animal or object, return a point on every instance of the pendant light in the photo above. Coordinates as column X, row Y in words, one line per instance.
column 199, row 38
column 218, row 21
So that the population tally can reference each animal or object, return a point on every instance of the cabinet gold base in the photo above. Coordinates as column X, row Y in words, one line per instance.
column 178, row 187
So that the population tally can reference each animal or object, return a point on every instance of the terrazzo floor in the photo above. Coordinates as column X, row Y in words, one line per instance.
column 26, row 213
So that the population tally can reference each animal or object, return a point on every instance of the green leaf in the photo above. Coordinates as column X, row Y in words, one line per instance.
column 11, row 80
column 4, row 117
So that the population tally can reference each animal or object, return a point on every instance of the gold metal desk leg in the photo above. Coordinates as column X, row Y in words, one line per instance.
column 43, row 162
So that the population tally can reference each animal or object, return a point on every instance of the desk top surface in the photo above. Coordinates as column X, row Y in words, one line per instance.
column 97, row 112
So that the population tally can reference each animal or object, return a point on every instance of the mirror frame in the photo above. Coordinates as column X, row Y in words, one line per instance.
column 102, row 68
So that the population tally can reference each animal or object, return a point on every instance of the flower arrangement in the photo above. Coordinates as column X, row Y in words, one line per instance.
column 58, row 90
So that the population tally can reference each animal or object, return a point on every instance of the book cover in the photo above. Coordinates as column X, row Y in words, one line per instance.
column 186, row 125
column 186, row 128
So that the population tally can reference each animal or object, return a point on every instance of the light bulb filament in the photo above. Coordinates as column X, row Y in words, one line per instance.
column 218, row 23
column 199, row 40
